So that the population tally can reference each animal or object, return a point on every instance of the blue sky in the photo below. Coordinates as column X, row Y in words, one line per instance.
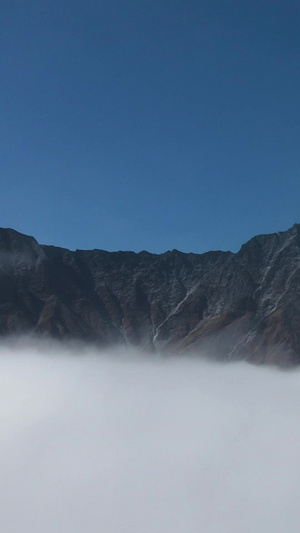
column 149, row 124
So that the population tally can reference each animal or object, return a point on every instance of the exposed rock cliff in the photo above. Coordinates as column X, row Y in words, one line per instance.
column 244, row 305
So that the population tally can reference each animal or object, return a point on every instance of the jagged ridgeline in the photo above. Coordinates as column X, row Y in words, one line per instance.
column 225, row 305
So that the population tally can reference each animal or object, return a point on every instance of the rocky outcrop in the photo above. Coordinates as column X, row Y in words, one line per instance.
column 244, row 305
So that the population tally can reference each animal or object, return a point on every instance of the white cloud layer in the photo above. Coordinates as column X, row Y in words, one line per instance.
column 122, row 443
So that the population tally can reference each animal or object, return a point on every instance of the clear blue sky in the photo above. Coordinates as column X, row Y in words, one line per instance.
column 149, row 124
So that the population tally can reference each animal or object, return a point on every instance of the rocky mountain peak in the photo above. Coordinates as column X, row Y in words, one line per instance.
column 225, row 305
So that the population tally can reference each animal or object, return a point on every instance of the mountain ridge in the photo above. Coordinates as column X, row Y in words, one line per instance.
column 243, row 305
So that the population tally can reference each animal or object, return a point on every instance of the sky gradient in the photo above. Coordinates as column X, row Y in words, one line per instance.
column 149, row 125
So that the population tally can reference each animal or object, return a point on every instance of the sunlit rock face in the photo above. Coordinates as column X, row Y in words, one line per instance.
column 244, row 305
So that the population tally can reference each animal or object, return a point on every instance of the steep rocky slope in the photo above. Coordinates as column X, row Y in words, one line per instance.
column 243, row 305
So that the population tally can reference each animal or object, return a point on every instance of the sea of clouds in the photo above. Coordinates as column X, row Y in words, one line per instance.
column 121, row 442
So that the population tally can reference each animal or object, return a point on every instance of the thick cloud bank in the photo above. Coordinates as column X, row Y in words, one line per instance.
column 120, row 443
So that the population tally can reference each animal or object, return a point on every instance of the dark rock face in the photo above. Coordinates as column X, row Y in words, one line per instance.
column 230, row 306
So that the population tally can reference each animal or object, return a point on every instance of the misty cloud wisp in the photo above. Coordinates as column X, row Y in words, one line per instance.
column 119, row 442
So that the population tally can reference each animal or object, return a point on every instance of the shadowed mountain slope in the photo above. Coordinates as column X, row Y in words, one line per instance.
column 244, row 305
